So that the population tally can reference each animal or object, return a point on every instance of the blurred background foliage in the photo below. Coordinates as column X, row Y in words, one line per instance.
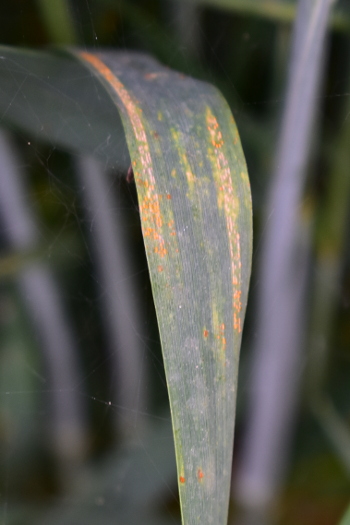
column 241, row 46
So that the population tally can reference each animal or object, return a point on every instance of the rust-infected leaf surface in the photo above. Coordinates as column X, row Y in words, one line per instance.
column 195, row 209
column 177, row 139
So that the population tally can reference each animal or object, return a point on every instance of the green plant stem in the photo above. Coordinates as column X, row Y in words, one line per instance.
column 283, row 271
column 346, row 518
column 273, row 10
column 58, row 21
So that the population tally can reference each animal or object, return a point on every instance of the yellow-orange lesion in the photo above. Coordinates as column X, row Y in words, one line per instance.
column 160, row 250
column 237, row 300
column 227, row 201
column 185, row 164
column 152, row 233
column 143, row 169
column 221, row 335
column 140, row 181
column 150, row 209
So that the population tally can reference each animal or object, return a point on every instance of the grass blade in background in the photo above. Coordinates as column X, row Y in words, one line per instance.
column 58, row 21
column 40, row 293
column 121, row 310
column 195, row 212
column 330, row 244
column 274, row 10
column 184, row 19
column 276, row 367
column 346, row 518
column 120, row 301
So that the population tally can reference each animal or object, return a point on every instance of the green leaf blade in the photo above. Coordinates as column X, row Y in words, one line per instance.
column 346, row 518
column 195, row 209
column 196, row 218
column 48, row 97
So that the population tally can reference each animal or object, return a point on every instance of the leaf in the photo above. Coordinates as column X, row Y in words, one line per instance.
column 140, row 472
column 346, row 518
column 270, row 9
column 195, row 209
column 48, row 96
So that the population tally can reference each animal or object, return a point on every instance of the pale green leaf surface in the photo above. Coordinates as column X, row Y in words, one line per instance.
column 346, row 518
column 195, row 209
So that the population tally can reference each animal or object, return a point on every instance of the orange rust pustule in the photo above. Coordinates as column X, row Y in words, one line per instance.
column 205, row 333
column 182, row 479
column 151, row 205
column 220, row 336
column 160, row 250
column 237, row 301
column 171, row 226
column 200, row 474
